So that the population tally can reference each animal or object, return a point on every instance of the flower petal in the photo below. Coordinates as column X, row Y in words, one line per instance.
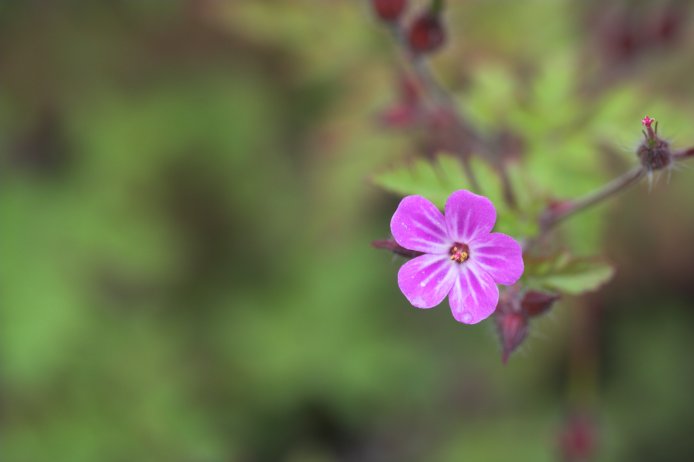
column 468, row 215
column 474, row 295
column 427, row 279
column 418, row 225
column 499, row 255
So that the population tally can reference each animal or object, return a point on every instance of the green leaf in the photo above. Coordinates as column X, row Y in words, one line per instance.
column 437, row 179
column 567, row 274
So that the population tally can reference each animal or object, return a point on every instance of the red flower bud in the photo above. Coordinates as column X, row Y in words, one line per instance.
column 426, row 33
column 389, row 10
column 654, row 153
column 578, row 439
column 512, row 327
column 535, row 303
column 666, row 26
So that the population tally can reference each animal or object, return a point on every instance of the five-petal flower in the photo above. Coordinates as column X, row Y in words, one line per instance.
column 462, row 258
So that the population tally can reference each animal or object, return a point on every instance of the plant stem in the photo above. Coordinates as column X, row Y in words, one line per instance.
column 684, row 154
column 468, row 139
column 555, row 215
column 465, row 135
column 559, row 212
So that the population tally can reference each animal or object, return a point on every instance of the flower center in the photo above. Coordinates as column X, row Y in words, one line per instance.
column 459, row 252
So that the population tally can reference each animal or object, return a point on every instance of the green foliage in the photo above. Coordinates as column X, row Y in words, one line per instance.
column 434, row 180
column 566, row 274
column 564, row 132
column 437, row 179
column 572, row 145
column 192, row 281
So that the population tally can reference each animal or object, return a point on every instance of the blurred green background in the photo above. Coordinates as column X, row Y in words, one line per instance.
column 185, row 269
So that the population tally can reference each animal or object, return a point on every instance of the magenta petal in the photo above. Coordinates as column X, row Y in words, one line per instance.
column 468, row 215
column 474, row 296
column 427, row 279
column 418, row 225
column 499, row 255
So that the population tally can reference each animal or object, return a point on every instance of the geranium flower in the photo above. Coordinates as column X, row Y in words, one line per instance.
column 462, row 258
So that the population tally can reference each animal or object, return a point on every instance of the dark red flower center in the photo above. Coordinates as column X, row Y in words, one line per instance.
column 459, row 252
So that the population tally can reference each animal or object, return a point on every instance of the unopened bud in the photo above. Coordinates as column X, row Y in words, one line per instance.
column 654, row 152
column 666, row 26
column 426, row 33
column 578, row 439
column 389, row 10
column 512, row 327
column 535, row 303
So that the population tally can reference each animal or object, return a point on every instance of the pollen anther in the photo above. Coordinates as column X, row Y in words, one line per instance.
column 460, row 253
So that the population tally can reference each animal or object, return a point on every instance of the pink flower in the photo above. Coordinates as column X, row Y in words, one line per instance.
column 462, row 258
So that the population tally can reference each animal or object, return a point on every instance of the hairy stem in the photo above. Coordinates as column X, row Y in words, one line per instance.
column 563, row 210
column 555, row 215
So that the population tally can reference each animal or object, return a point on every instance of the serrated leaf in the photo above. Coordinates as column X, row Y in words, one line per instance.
column 567, row 274
column 435, row 180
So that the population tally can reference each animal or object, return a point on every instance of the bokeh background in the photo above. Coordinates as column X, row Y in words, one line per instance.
column 185, row 268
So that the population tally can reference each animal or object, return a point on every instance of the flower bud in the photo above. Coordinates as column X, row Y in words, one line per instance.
column 535, row 303
column 512, row 327
column 666, row 27
column 389, row 10
column 426, row 33
column 654, row 153
column 578, row 439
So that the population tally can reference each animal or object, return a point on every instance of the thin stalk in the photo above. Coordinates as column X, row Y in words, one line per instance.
column 684, row 154
column 555, row 215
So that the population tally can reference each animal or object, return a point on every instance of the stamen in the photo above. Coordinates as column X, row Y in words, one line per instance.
column 459, row 252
